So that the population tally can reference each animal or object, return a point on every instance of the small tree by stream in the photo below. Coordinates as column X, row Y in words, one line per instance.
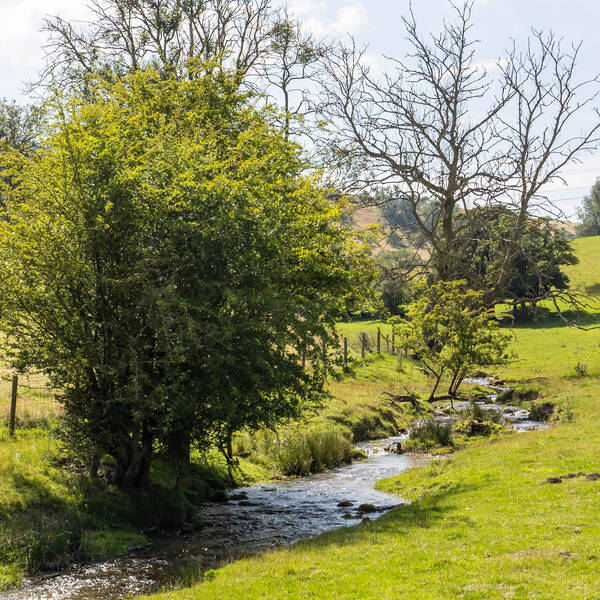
column 452, row 333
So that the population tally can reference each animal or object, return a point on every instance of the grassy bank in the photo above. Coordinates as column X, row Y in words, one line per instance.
column 464, row 531
column 482, row 525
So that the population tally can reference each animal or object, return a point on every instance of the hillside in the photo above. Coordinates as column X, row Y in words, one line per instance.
column 585, row 276
column 371, row 216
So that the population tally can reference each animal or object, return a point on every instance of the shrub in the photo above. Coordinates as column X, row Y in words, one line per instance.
column 581, row 370
column 541, row 411
column 429, row 434
column 475, row 412
column 452, row 333
column 54, row 548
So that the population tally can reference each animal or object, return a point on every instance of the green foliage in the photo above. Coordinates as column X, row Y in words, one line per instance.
column 475, row 412
column 429, row 434
column 297, row 452
column 452, row 334
column 166, row 263
column 391, row 282
column 537, row 268
column 18, row 126
column 589, row 213
column 301, row 454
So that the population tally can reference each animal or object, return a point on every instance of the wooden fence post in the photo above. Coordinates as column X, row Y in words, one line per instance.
column 378, row 340
column 387, row 343
column 363, row 343
column 393, row 342
column 13, row 404
column 345, row 353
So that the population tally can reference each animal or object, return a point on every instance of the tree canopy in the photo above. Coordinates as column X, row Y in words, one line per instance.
column 167, row 264
column 536, row 272
column 589, row 213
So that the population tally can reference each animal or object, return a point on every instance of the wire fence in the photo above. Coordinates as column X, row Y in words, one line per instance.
column 364, row 343
column 26, row 398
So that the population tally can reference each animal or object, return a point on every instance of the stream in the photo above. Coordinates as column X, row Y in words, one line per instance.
column 260, row 518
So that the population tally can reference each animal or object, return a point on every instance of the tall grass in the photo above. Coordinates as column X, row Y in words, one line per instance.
column 430, row 433
column 313, row 451
column 297, row 452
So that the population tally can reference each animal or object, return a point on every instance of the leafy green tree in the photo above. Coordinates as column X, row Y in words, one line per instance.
column 166, row 263
column 589, row 213
column 452, row 333
column 391, row 281
column 536, row 268
column 18, row 126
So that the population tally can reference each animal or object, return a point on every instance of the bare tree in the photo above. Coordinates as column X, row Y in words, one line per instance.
column 548, row 100
column 263, row 45
column 125, row 35
column 438, row 128
column 293, row 62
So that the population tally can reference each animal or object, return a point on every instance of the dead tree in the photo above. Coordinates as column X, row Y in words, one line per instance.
column 444, row 135
column 402, row 398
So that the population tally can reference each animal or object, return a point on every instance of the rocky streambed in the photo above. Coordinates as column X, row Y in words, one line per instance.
column 517, row 417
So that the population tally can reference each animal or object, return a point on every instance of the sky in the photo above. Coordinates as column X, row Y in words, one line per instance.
column 373, row 22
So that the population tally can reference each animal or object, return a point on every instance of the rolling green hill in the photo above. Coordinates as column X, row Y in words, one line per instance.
column 586, row 275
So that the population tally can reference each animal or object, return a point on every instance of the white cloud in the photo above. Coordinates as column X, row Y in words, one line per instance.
column 21, row 41
column 302, row 8
column 374, row 62
column 490, row 65
column 350, row 17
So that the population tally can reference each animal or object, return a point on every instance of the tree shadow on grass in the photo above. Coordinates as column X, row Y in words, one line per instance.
column 569, row 318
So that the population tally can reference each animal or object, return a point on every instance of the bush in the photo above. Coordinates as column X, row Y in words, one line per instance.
column 54, row 548
column 581, row 369
column 429, row 434
column 476, row 412
column 541, row 411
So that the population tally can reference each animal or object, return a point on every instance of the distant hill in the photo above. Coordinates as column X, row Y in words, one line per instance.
column 365, row 217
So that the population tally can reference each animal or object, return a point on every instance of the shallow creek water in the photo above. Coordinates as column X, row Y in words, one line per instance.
column 271, row 515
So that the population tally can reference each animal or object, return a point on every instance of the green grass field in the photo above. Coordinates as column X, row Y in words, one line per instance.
column 586, row 275
column 482, row 524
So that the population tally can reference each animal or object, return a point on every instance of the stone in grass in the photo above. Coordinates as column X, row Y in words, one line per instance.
column 553, row 480
column 593, row 477
column 345, row 503
column 367, row 508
